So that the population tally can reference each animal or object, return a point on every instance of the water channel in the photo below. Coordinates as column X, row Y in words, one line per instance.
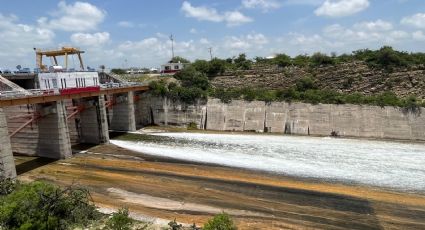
column 394, row 165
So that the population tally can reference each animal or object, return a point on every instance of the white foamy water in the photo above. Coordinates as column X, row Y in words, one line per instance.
column 395, row 165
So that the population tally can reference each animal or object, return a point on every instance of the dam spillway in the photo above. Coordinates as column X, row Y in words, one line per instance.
column 394, row 165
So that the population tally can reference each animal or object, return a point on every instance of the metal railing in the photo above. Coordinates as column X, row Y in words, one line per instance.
column 40, row 92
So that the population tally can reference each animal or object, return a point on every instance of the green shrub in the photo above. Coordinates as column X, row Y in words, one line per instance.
column 241, row 62
column 318, row 59
column 304, row 84
column 192, row 126
column 40, row 205
column 282, row 60
column 178, row 59
column 220, row 222
column 174, row 225
column 118, row 71
column 119, row 220
column 159, row 88
column 7, row 186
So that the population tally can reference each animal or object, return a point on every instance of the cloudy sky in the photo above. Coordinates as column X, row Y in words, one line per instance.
column 135, row 33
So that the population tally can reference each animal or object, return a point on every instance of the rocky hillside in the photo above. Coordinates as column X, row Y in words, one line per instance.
column 349, row 77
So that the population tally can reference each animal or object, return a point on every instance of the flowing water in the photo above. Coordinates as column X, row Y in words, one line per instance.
column 400, row 166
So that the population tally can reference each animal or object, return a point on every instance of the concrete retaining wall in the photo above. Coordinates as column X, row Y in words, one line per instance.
column 281, row 117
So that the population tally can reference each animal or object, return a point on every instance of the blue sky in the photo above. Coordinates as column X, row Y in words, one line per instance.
column 135, row 33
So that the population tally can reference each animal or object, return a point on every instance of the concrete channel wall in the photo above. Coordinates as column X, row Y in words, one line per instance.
column 281, row 117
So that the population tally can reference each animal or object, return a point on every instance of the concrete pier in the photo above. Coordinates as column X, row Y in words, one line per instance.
column 54, row 140
column 7, row 163
column 122, row 116
column 93, row 121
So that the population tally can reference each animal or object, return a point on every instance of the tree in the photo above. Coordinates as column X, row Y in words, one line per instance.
column 301, row 60
column 220, row 222
column 118, row 71
column 190, row 77
column 201, row 66
column 119, row 220
column 387, row 57
column 242, row 63
column 282, row 60
column 178, row 59
column 216, row 67
column 318, row 59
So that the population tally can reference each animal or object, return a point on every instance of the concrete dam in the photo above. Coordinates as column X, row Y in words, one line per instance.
column 49, row 127
column 290, row 118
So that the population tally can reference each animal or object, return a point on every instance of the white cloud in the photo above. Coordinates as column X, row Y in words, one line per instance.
column 417, row 20
column 378, row 25
column 253, row 40
column 418, row 35
column 379, row 32
column 18, row 40
column 193, row 31
column 235, row 18
column 126, row 24
column 80, row 16
column 204, row 41
column 202, row 13
column 85, row 39
column 341, row 8
column 264, row 5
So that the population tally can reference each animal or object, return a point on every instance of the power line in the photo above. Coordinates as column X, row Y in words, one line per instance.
column 210, row 50
column 172, row 46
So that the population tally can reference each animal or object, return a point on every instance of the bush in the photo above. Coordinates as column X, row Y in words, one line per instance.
column 7, row 186
column 178, row 59
column 190, row 77
column 174, row 225
column 220, row 222
column 159, row 88
column 319, row 59
column 242, row 63
column 119, row 220
column 304, row 84
column 282, row 60
column 118, row 71
column 192, row 126
column 43, row 206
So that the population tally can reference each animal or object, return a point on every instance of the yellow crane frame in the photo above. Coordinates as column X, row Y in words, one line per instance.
column 65, row 51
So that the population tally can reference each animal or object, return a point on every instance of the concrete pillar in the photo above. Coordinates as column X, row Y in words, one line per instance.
column 93, row 121
column 122, row 117
column 7, row 163
column 54, row 140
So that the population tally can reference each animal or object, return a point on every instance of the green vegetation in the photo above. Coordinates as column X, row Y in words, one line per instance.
column 118, row 71
column 178, row 59
column 194, row 86
column 220, row 222
column 386, row 57
column 40, row 205
column 306, row 91
column 43, row 206
column 120, row 220
column 194, row 79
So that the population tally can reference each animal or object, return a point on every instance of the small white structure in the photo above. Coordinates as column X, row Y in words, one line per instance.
column 171, row 68
column 69, row 82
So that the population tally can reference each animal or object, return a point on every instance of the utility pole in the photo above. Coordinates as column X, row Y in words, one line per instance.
column 210, row 50
column 172, row 46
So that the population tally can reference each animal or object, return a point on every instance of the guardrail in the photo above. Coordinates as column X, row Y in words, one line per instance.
column 49, row 92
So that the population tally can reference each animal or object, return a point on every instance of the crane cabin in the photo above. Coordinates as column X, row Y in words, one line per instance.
column 63, row 80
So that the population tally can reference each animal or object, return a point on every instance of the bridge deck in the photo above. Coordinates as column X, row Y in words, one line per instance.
column 50, row 98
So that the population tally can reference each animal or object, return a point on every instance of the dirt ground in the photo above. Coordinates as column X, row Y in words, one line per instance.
column 164, row 189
